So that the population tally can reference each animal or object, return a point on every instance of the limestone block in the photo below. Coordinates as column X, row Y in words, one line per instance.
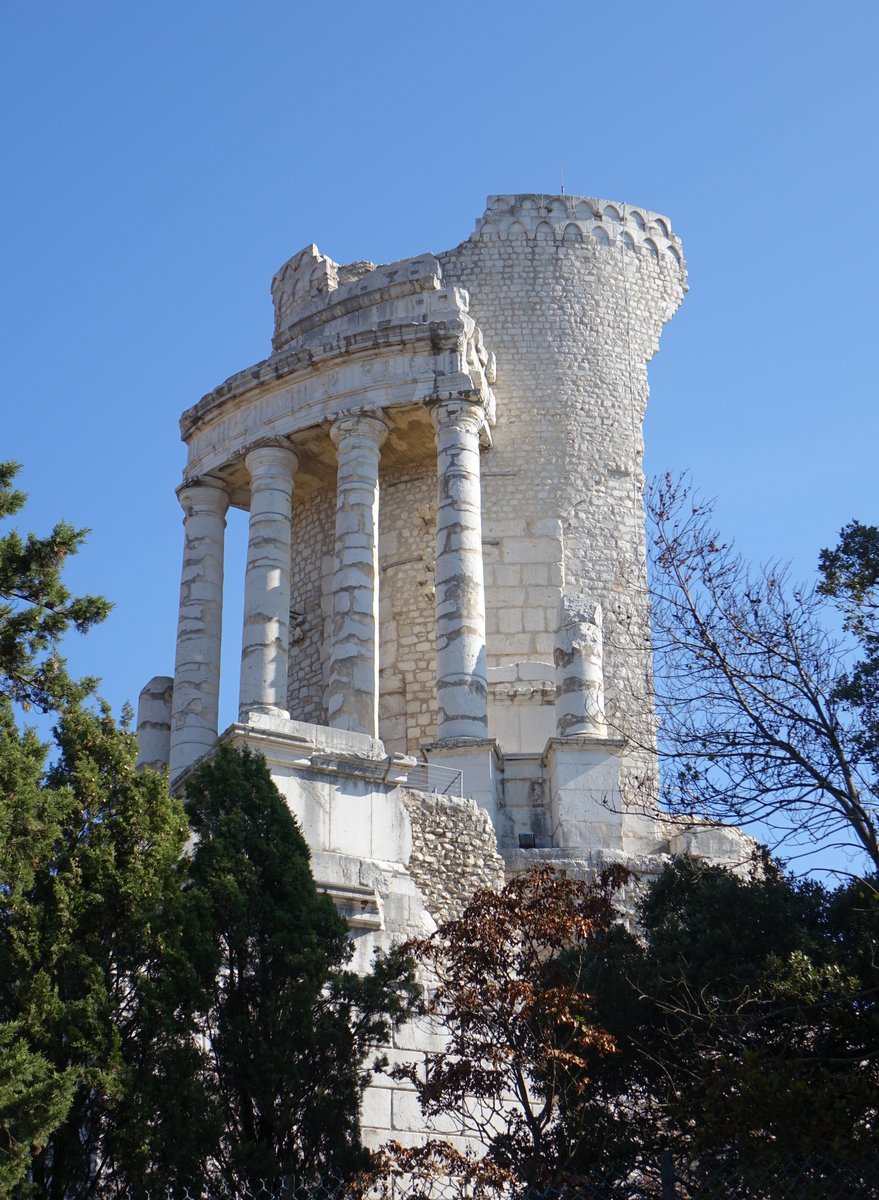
column 481, row 767
column 375, row 1108
column 585, row 801
column 720, row 844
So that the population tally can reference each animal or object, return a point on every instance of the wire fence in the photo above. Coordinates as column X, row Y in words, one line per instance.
column 663, row 1178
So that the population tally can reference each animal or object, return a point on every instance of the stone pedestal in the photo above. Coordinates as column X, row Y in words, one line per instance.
column 462, row 689
column 481, row 765
column 586, row 808
column 266, row 637
column 352, row 701
column 199, row 630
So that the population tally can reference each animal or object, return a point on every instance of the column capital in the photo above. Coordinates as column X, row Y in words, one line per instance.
column 204, row 494
column 371, row 427
column 464, row 412
column 271, row 456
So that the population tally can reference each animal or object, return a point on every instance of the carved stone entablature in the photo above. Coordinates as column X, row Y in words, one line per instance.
column 381, row 338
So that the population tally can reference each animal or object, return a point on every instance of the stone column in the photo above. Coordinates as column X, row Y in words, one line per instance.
column 266, row 639
column 353, row 690
column 462, row 689
column 195, row 708
column 579, row 663
column 154, row 706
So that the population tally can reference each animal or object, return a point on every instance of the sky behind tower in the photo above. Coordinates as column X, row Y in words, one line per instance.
column 162, row 160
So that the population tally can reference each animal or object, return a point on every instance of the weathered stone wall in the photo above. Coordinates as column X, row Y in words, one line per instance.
column 572, row 301
column 407, row 656
column 572, row 298
column 407, row 638
column 311, row 577
column 454, row 852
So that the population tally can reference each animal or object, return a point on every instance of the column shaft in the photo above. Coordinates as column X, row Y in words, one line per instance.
column 195, row 707
column 266, row 637
column 354, row 654
column 579, row 663
column 462, row 688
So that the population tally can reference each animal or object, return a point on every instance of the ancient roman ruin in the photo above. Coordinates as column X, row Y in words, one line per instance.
column 445, row 656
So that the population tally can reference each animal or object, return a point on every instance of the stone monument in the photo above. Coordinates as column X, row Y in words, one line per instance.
column 446, row 653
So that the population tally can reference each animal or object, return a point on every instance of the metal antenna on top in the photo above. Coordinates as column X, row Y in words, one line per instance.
column 562, row 173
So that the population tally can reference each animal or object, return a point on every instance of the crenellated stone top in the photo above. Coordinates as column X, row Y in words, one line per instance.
column 569, row 220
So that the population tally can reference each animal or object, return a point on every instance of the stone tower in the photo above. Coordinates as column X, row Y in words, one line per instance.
column 445, row 655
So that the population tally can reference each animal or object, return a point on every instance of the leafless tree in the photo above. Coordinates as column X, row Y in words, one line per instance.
column 754, row 727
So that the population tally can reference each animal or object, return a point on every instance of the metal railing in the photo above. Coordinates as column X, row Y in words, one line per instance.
column 430, row 777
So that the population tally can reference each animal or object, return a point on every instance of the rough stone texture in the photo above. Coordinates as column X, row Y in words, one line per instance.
column 571, row 295
column 311, row 584
column 407, row 655
column 505, row 569
column 454, row 852
column 352, row 702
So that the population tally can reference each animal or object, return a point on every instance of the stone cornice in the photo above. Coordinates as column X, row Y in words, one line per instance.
column 438, row 336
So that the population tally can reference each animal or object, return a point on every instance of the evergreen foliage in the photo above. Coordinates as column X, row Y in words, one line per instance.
column 90, row 869
column 746, row 1022
column 286, row 1028
column 739, row 1033
column 36, row 609
column 168, row 1020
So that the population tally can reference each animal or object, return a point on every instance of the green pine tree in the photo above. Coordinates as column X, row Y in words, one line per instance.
column 92, row 970
column 95, row 987
column 288, row 1030
column 36, row 609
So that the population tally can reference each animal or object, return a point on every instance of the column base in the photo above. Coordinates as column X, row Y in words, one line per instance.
column 262, row 710
column 586, row 806
column 482, row 766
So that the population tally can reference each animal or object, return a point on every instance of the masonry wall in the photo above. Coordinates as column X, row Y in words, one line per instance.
column 571, row 299
column 573, row 306
column 407, row 623
column 311, row 577
column 407, row 663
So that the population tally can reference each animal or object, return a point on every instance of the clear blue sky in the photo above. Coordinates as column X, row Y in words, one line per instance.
column 162, row 160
